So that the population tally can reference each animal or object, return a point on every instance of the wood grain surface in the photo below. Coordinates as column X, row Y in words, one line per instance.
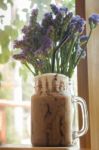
column 93, row 76
column 38, row 148
column 82, row 72
column 88, row 75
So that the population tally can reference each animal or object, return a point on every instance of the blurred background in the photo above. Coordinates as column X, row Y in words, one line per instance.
column 16, row 82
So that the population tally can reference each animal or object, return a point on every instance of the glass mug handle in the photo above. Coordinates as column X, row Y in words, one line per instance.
column 83, row 130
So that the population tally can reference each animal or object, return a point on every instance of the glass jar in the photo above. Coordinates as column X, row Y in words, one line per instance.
column 53, row 112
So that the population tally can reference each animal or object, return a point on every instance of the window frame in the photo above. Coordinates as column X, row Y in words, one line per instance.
column 82, row 76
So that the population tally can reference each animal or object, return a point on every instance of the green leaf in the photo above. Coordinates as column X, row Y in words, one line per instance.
column 10, row 1
column 4, row 38
column 5, row 55
column 11, row 32
column 3, row 5
column 1, row 76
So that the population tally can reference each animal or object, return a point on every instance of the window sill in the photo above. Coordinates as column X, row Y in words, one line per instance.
column 24, row 147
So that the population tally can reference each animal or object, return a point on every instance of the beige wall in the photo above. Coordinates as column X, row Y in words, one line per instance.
column 93, row 76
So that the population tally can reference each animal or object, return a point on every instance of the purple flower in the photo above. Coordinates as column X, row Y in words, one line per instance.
column 34, row 12
column 54, row 8
column 70, row 14
column 83, row 38
column 33, row 17
column 57, row 21
column 93, row 20
column 59, row 31
column 18, row 44
column 78, row 23
column 25, row 29
column 79, row 51
column 46, row 44
column 40, row 63
column 48, row 15
column 20, row 56
column 63, row 9
column 47, row 20
column 50, row 32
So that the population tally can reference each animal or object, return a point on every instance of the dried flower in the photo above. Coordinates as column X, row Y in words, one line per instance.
column 33, row 17
column 46, row 45
column 83, row 40
column 40, row 64
column 81, row 52
column 54, row 9
column 63, row 10
column 20, row 56
column 93, row 20
column 57, row 43
column 47, row 20
column 78, row 23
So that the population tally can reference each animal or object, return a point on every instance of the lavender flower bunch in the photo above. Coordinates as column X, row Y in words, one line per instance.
column 57, row 44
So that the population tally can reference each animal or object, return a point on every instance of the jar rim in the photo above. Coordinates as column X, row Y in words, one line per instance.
column 51, row 74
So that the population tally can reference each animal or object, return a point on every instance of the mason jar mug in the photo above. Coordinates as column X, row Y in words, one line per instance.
column 53, row 112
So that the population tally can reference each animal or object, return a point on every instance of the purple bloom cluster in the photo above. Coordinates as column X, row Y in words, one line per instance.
column 79, row 51
column 57, row 10
column 21, row 56
column 54, row 8
column 94, row 20
column 33, row 17
column 47, row 20
column 39, row 64
column 59, row 32
column 45, row 46
column 83, row 40
column 78, row 24
column 64, row 10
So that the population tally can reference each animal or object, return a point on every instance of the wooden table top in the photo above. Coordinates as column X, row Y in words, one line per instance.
column 37, row 148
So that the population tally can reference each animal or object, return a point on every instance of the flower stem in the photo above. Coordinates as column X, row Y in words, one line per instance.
column 29, row 68
column 70, row 51
column 83, row 49
column 55, row 50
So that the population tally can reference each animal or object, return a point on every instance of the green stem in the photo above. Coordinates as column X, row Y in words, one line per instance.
column 71, row 48
column 53, row 60
column 71, row 71
column 83, row 49
column 57, row 60
column 69, row 54
column 89, row 36
column 55, row 50
column 29, row 68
